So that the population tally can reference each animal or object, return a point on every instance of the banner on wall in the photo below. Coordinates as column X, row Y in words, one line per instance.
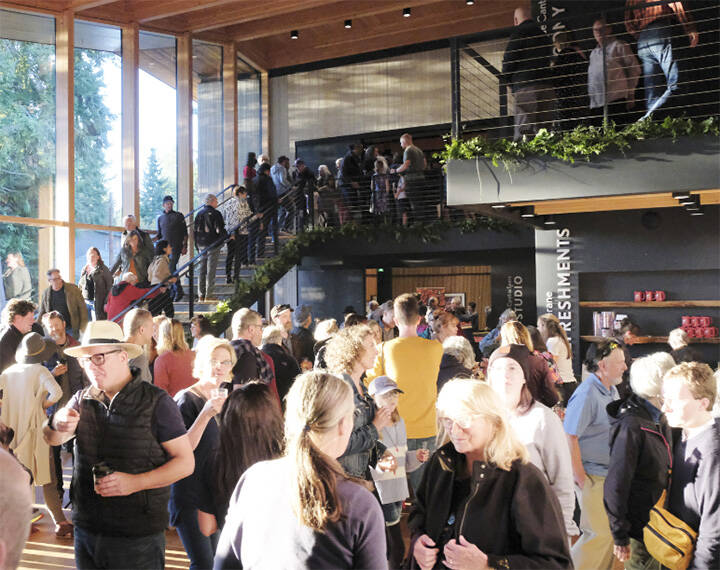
column 556, row 279
column 555, row 16
column 513, row 287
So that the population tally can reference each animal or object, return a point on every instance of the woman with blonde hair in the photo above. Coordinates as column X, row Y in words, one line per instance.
column 302, row 511
column 481, row 503
column 349, row 354
column 444, row 325
column 174, row 364
column 198, row 405
column 557, row 343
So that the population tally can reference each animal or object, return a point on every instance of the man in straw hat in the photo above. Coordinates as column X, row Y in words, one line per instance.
column 130, row 446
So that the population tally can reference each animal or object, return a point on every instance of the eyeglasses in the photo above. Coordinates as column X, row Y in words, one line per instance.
column 97, row 359
column 221, row 362
column 463, row 422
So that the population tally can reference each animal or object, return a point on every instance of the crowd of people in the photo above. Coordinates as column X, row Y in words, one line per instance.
column 322, row 435
column 556, row 84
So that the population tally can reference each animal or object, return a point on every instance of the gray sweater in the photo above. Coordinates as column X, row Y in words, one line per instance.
column 392, row 485
column 261, row 530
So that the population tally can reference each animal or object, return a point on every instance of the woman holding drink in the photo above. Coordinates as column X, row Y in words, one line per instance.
column 198, row 405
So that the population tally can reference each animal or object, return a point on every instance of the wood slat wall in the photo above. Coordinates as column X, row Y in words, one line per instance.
column 473, row 280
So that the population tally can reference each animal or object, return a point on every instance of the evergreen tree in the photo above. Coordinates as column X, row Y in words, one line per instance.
column 154, row 187
column 27, row 142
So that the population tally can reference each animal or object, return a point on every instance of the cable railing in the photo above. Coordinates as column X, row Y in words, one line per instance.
column 547, row 85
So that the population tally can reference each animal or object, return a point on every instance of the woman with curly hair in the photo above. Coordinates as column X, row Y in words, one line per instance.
column 349, row 354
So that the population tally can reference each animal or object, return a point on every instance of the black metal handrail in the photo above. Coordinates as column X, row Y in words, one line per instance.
column 188, row 266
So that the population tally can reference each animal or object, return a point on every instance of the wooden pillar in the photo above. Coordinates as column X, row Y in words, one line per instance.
column 131, row 124
column 265, row 113
column 230, row 115
column 184, row 90
column 64, row 147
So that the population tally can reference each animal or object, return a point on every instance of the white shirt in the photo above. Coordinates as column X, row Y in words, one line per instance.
column 542, row 433
column 623, row 71
column 557, row 348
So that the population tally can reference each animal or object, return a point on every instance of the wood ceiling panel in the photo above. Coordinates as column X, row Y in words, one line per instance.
column 371, row 34
column 332, row 13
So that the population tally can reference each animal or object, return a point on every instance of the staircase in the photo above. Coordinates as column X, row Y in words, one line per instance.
column 223, row 290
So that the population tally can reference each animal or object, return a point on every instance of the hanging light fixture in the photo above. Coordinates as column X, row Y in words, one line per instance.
column 406, row 12
column 294, row 35
column 348, row 24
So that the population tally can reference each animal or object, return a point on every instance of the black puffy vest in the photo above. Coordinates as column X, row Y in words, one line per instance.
column 120, row 435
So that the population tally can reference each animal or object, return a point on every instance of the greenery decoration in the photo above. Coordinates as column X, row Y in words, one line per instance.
column 270, row 272
column 582, row 143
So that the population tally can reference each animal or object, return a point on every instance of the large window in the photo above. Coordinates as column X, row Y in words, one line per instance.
column 107, row 243
column 98, row 134
column 249, row 125
column 207, row 119
column 27, row 117
column 158, row 124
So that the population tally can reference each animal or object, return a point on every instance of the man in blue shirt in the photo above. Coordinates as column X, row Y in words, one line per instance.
column 588, row 429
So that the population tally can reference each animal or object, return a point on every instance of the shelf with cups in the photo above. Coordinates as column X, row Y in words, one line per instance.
column 653, row 340
column 648, row 304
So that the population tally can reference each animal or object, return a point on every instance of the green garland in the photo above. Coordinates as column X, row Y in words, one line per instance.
column 583, row 142
column 270, row 272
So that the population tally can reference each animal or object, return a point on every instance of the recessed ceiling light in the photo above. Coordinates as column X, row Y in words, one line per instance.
column 550, row 221
column 528, row 212
column 294, row 35
column 406, row 12
column 680, row 195
column 469, row 2
column 348, row 24
column 697, row 212
column 499, row 206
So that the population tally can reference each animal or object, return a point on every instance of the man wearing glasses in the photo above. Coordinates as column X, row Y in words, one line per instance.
column 588, row 430
column 130, row 445
column 252, row 363
column 66, row 299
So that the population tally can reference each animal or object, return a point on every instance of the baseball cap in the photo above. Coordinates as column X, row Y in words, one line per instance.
column 277, row 309
column 382, row 385
column 168, row 198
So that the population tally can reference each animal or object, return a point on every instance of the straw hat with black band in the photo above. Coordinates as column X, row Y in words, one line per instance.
column 35, row 349
column 104, row 334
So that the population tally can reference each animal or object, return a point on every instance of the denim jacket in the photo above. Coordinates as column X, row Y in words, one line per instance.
column 363, row 444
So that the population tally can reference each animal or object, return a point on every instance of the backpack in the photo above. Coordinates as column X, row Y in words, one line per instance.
column 203, row 227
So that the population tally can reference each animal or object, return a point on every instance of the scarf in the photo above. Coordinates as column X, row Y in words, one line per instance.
column 243, row 346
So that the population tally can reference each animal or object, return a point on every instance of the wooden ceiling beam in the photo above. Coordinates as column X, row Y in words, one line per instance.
column 79, row 5
column 223, row 16
column 334, row 12
column 145, row 11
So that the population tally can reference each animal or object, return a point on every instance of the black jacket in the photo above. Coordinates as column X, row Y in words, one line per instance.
column 512, row 515
column 302, row 342
column 638, row 471
column 171, row 227
column 527, row 56
column 209, row 226
column 264, row 196
column 286, row 368
column 10, row 339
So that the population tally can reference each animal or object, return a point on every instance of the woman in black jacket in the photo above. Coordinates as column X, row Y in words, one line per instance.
column 640, row 457
column 481, row 504
column 95, row 284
